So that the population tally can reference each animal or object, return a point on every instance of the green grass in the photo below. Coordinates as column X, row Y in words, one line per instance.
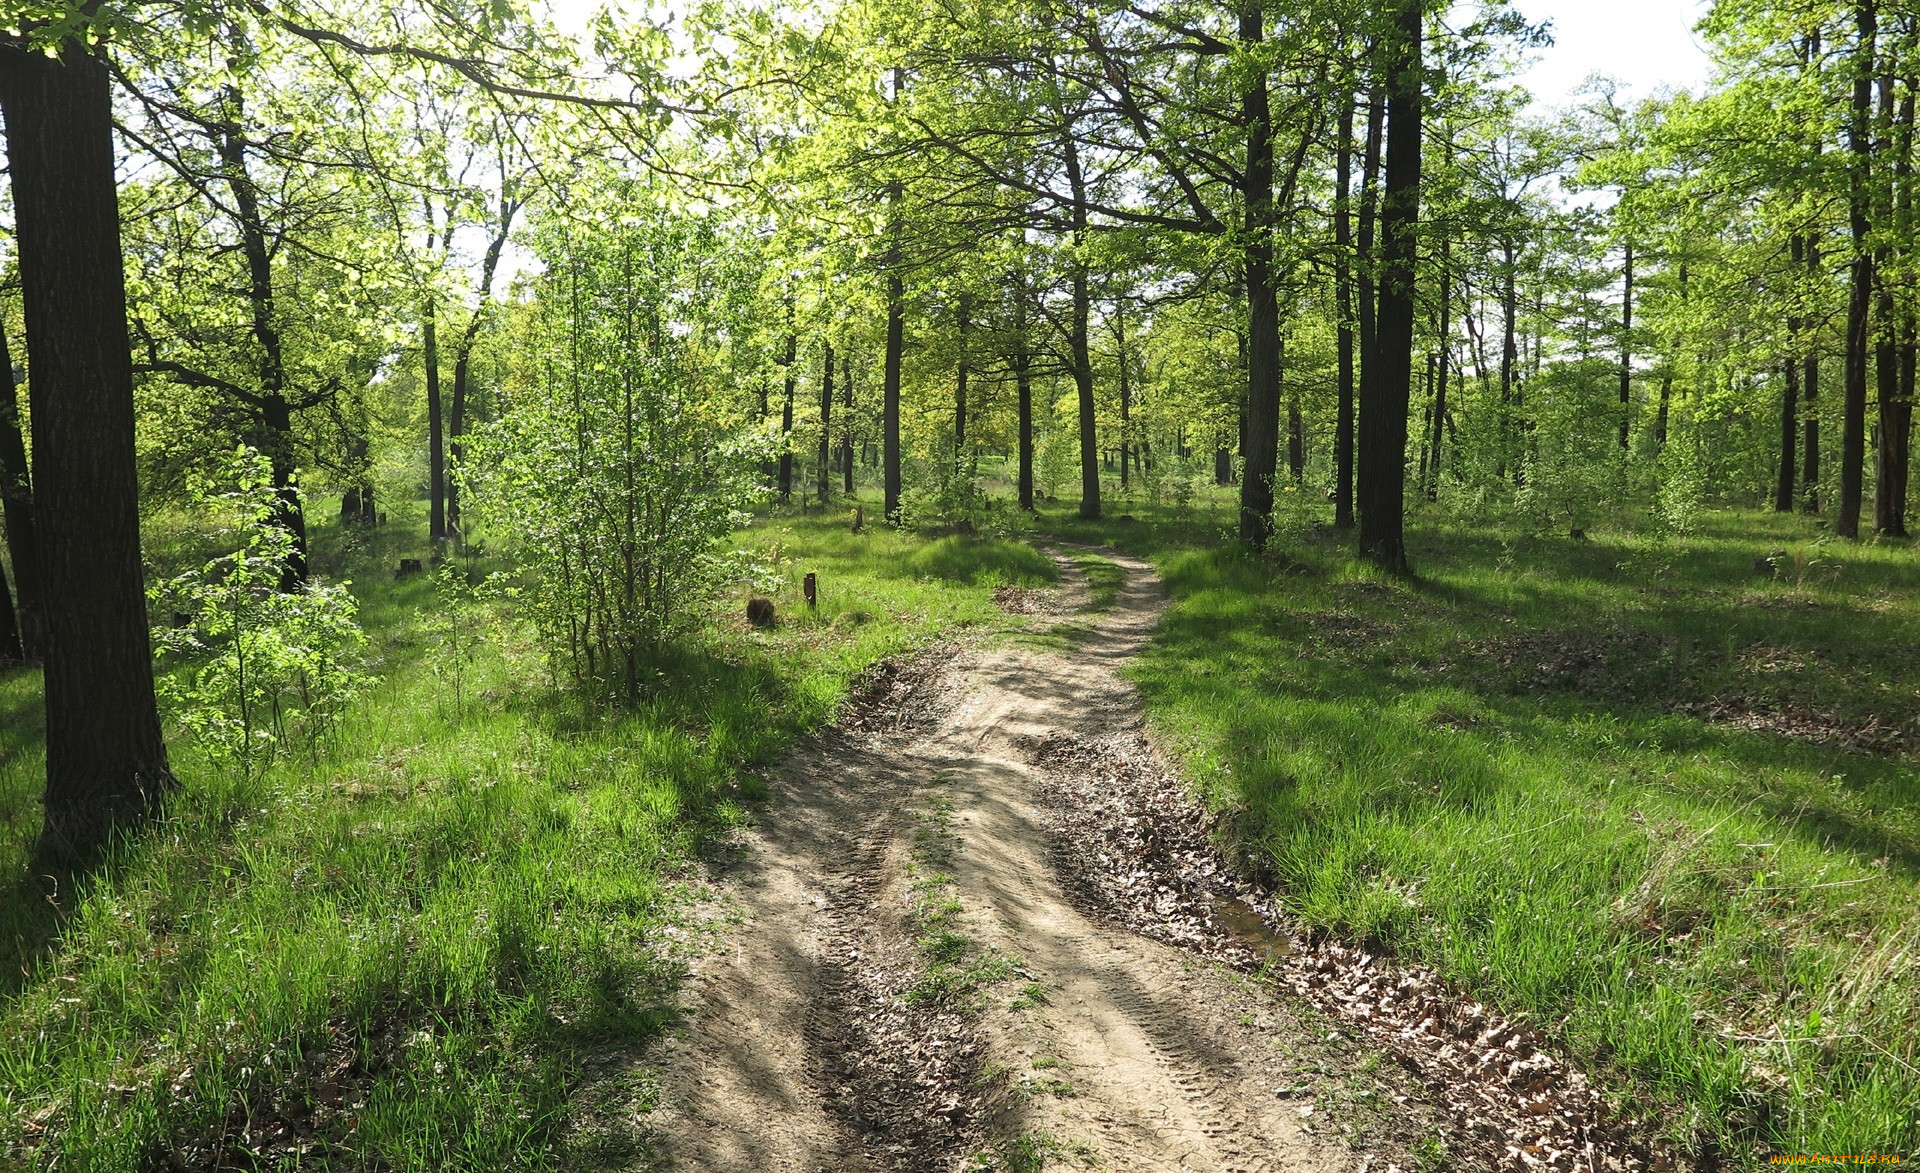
column 395, row 952
column 1529, row 767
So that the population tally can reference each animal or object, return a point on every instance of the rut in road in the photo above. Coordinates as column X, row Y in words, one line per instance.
column 801, row 1048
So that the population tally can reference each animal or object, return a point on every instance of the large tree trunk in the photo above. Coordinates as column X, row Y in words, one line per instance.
column 1383, row 415
column 16, row 505
column 825, row 486
column 106, row 761
column 1343, row 330
column 1853, row 426
column 1262, row 440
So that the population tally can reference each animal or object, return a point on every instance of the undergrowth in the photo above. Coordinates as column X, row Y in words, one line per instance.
column 1659, row 797
column 392, row 952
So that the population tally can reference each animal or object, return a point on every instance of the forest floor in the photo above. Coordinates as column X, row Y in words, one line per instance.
column 981, row 925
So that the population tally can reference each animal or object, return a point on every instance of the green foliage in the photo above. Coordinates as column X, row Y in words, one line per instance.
column 610, row 473
column 413, row 941
column 258, row 668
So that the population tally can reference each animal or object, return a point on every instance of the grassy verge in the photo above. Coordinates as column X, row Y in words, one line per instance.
column 1663, row 803
column 393, row 952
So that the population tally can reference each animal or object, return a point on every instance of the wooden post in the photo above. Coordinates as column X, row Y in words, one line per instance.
column 812, row 588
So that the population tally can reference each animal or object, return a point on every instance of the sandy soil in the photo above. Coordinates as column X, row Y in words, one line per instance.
column 803, row 1047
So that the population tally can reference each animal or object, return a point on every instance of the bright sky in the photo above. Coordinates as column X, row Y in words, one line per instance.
column 1645, row 44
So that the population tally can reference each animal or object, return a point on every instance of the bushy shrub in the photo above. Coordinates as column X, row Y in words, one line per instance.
column 255, row 669
column 610, row 473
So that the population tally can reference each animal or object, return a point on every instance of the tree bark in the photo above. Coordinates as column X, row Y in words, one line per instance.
column 1853, row 427
column 1789, row 436
column 1626, row 354
column 964, row 324
column 1891, row 459
column 1262, row 439
column 273, row 410
column 846, row 424
column 1784, row 487
column 106, row 761
column 436, row 429
column 1343, row 331
column 1080, row 353
column 1022, row 362
column 1513, row 426
column 1383, row 414
column 16, row 506
column 825, row 486
column 10, row 648
column 1366, row 258
column 786, row 410
column 1432, row 483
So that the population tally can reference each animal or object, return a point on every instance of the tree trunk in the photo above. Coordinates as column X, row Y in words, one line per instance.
column 965, row 328
column 1383, row 414
column 825, row 486
column 1080, row 355
column 436, row 430
column 1514, row 427
column 1853, row 427
column 890, row 388
column 786, row 411
column 273, row 411
column 1626, row 354
column 1783, row 494
column 1126, row 392
column 1432, row 483
column 106, row 761
column 463, row 363
column 1789, row 437
column 1262, row 441
column 1023, row 385
column 846, row 424
column 10, row 648
column 1343, row 331
column 16, row 505
column 1891, row 461
column 1366, row 258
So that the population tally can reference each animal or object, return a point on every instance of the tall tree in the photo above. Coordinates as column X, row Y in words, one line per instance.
column 106, row 761
column 1853, row 426
column 1383, row 414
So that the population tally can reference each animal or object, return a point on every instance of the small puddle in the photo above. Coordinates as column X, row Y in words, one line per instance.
column 1249, row 928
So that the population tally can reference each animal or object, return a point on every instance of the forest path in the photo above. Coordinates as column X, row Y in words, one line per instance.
column 915, row 845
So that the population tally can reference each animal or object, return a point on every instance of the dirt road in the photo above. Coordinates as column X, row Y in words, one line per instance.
column 920, row 972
